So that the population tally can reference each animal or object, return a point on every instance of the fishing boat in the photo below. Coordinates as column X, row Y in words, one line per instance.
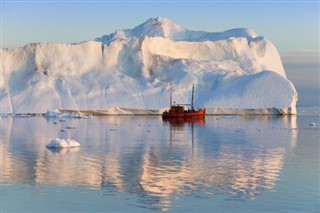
column 178, row 111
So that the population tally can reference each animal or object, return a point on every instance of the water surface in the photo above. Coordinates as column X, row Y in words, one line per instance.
column 145, row 164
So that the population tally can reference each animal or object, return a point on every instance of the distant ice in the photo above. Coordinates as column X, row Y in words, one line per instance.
column 70, row 127
column 58, row 114
column 62, row 143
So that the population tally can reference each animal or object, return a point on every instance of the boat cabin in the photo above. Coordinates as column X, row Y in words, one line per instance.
column 176, row 109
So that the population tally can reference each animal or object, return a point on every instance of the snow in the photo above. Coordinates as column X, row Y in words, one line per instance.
column 133, row 71
column 62, row 143
column 164, row 27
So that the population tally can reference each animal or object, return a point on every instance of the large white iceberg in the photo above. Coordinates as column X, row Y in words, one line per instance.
column 233, row 71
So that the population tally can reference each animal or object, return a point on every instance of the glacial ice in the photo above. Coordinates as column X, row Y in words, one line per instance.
column 234, row 72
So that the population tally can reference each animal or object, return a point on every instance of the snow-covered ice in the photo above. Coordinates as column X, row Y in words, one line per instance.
column 62, row 143
column 236, row 71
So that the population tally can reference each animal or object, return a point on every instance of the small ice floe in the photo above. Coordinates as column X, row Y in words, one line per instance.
column 22, row 115
column 70, row 127
column 52, row 114
column 312, row 124
column 230, row 116
column 62, row 143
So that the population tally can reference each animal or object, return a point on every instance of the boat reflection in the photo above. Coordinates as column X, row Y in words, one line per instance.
column 181, row 122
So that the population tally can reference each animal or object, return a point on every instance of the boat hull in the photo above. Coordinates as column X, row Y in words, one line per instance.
column 184, row 115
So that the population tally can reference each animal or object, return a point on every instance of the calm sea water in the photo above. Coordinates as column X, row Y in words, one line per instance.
column 145, row 164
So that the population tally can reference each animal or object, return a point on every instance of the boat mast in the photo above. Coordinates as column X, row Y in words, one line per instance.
column 192, row 97
column 170, row 98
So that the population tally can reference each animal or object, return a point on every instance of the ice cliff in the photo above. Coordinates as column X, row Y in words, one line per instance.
column 137, row 68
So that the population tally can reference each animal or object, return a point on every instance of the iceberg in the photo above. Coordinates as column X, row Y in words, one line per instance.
column 234, row 72
column 62, row 143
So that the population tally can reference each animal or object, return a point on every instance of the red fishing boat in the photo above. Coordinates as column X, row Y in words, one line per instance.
column 178, row 111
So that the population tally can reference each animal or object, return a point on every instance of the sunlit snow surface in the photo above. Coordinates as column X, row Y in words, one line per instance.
column 138, row 68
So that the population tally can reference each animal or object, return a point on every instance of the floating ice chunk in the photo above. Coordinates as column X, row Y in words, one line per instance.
column 58, row 114
column 22, row 115
column 52, row 114
column 230, row 116
column 70, row 127
column 62, row 143
column 312, row 124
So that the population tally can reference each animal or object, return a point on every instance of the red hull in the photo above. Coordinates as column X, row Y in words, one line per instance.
column 185, row 115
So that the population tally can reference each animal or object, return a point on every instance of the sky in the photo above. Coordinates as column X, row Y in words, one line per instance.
column 293, row 26
column 290, row 25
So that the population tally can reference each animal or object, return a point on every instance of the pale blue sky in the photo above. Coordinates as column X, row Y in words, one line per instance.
column 290, row 25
